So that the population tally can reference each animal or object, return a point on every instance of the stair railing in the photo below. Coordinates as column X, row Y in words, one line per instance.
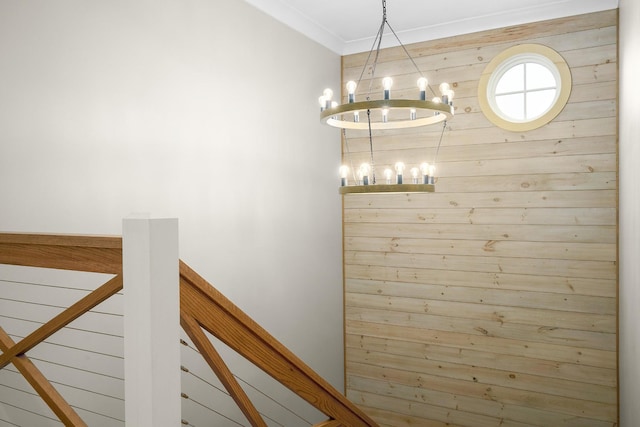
column 202, row 308
column 80, row 253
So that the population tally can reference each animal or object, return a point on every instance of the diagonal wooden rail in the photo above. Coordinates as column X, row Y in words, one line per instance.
column 220, row 317
column 41, row 385
column 202, row 308
column 105, row 291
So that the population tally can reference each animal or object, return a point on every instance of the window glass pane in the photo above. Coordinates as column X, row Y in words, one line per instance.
column 511, row 106
column 539, row 76
column 539, row 102
column 523, row 87
column 512, row 80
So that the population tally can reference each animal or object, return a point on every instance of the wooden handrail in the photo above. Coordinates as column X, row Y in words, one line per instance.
column 96, row 254
column 224, row 320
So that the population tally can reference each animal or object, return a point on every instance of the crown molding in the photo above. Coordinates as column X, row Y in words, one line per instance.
column 296, row 19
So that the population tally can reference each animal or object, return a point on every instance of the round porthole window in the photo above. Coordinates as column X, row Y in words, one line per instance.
column 524, row 87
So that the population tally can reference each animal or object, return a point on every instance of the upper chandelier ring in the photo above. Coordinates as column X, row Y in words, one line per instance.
column 436, row 112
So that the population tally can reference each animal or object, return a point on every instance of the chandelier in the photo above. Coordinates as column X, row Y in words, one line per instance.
column 387, row 113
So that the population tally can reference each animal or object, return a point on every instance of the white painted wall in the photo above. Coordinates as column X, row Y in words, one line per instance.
column 201, row 110
column 629, row 213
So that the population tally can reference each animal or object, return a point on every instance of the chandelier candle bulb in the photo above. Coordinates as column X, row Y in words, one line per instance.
column 412, row 114
column 385, row 115
column 365, row 169
column 424, row 168
column 444, row 91
column 351, row 91
column 415, row 173
column 323, row 103
column 388, row 173
column 344, row 172
column 422, row 86
column 450, row 94
column 436, row 100
column 328, row 95
column 356, row 116
column 386, row 85
column 399, row 171
column 432, row 174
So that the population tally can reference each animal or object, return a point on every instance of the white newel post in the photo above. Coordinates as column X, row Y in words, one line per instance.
column 151, row 322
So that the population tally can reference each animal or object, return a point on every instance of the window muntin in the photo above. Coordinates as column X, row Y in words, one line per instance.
column 524, row 88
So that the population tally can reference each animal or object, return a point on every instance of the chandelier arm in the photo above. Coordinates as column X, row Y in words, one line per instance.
column 346, row 146
column 368, row 58
column 375, row 41
column 435, row 157
column 408, row 55
column 375, row 59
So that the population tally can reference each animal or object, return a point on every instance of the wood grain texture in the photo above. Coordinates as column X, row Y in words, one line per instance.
column 329, row 423
column 491, row 301
column 98, row 254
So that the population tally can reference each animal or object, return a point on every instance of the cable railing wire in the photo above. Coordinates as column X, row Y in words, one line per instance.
column 57, row 383
column 186, row 344
column 71, row 328
column 70, row 347
column 48, row 285
column 32, row 412
column 187, row 397
column 188, row 371
column 16, row 372
column 9, row 422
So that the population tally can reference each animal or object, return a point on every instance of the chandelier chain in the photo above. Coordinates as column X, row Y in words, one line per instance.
column 375, row 59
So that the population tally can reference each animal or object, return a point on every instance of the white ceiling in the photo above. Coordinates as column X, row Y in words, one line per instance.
column 350, row 26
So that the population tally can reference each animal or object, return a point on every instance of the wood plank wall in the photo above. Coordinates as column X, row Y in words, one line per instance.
column 493, row 300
